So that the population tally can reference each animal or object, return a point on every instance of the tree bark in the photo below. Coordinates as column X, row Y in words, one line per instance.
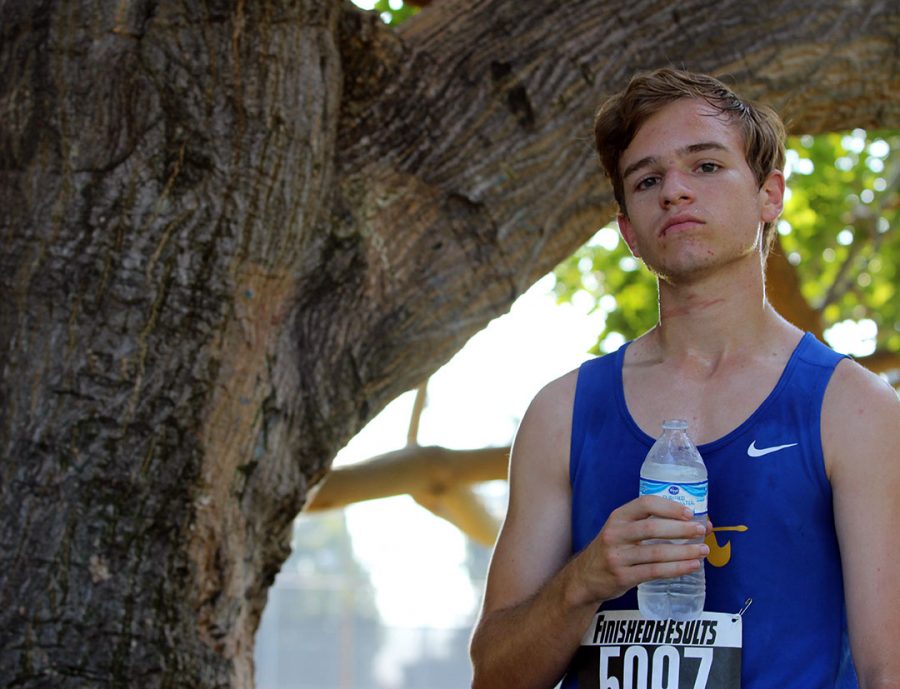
column 233, row 231
column 163, row 170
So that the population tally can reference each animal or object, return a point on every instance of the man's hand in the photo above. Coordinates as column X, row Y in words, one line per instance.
column 626, row 552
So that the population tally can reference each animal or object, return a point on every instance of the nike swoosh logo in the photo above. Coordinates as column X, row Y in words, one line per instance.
column 754, row 451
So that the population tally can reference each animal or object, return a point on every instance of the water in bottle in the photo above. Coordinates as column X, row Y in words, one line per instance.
column 674, row 469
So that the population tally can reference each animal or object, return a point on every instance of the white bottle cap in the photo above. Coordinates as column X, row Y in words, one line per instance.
column 675, row 425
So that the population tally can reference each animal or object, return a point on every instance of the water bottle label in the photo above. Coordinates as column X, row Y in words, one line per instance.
column 693, row 495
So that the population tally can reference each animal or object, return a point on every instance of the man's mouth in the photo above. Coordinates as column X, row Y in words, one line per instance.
column 678, row 223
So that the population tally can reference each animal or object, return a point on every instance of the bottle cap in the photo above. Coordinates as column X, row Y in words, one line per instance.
column 675, row 425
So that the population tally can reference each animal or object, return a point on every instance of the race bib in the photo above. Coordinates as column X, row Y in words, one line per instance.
column 622, row 650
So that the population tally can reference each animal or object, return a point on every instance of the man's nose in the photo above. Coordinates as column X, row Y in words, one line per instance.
column 675, row 189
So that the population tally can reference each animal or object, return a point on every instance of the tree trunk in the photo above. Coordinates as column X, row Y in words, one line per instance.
column 164, row 167
column 233, row 231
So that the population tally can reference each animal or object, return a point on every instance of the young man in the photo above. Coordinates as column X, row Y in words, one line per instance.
column 800, row 443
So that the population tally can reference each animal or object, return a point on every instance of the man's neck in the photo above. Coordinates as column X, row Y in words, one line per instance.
column 708, row 320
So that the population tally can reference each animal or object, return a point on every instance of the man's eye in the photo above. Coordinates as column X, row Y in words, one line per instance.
column 646, row 183
column 709, row 167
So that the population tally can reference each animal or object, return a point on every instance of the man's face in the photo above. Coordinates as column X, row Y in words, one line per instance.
column 693, row 202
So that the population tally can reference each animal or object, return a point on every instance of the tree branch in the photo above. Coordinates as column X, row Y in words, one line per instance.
column 463, row 508
column 412, row 436
column 419, row 471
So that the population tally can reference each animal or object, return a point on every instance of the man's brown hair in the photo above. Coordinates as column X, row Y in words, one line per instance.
column 619, row 118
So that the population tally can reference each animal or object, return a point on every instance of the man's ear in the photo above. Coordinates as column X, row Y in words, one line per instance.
column 772, row 196
column 627, row 233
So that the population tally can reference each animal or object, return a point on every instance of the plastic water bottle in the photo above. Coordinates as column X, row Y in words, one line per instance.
column 674, row 469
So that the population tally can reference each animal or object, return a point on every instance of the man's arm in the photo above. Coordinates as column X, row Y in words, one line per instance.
column 538, row 602
column 861, row 439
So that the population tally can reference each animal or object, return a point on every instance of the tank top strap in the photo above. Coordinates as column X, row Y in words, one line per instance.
column 814, row 353
column 808, row 374
column 595, row 395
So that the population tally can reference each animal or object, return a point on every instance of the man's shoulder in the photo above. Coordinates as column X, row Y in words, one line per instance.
column 540, row 448
column 857, row 386
column 557, row 396
column 559, row 393
column 854, row 385
column 859, row 409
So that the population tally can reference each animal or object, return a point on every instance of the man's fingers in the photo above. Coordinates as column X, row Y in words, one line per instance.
column 664, row 553
column 670, row 529
column 652, row 506
column 664, row 570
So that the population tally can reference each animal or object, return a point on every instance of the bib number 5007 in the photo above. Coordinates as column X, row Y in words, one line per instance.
column 662, row 670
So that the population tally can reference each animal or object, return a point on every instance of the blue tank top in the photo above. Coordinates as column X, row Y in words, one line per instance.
column 775, row 537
